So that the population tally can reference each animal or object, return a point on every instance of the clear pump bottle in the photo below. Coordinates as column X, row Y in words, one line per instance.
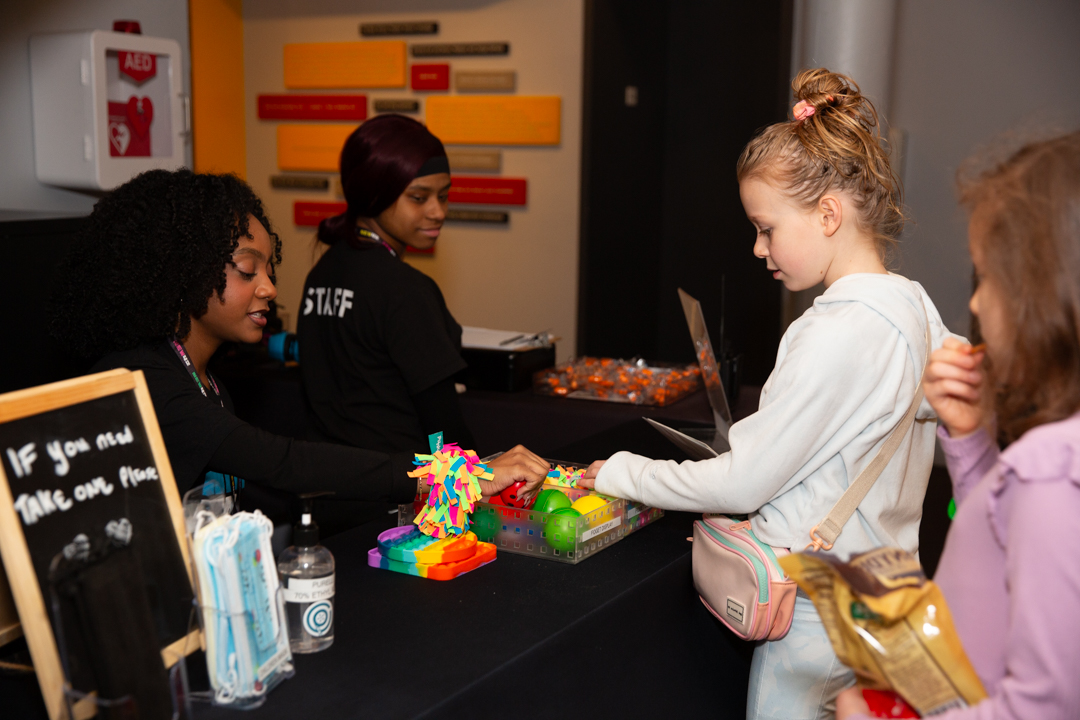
column 306, row 570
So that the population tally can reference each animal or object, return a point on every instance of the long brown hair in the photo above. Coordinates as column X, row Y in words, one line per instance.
column 1028, row 213
column 839, row 147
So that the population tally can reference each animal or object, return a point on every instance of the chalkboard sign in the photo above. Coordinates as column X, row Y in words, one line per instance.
column 74, row 457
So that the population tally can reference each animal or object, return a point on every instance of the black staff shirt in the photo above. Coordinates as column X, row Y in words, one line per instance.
column 373, row 332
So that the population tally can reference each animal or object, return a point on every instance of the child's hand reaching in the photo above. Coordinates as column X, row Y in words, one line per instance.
column 851, row 702
column 953, row 385
column 588, row 480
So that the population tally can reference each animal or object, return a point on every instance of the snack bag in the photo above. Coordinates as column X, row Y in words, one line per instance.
column 890, row 625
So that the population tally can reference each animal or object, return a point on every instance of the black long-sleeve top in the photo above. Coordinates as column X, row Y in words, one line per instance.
column 201, row 434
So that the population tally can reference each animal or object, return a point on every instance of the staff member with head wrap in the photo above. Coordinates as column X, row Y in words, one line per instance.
column 379, row 346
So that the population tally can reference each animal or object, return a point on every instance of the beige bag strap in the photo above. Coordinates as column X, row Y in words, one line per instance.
column 824, row 534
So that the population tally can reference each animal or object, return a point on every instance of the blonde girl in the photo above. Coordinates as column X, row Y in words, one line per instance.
column 825, row 205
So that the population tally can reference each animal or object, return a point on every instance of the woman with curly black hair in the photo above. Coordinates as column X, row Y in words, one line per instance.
column 171, row 265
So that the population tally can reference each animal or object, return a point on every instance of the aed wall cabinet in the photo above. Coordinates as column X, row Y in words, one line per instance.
column 107, row 106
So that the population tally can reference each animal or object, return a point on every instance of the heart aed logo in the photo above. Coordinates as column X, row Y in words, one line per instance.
column 140, row 113
column 119, row 136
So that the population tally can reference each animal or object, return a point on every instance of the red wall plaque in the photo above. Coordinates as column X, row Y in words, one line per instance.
column 431, row 77
column 313, row 107
column 310, row 214
column 139, row 66
column 489, row 190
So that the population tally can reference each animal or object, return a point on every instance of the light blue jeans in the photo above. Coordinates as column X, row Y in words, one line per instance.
column 798, row 676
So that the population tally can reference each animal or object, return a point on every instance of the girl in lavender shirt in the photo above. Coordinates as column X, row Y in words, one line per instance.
column 1010, row 570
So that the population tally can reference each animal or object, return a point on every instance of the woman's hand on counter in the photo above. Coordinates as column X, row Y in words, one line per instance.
column 520, row 463
column 588, row 481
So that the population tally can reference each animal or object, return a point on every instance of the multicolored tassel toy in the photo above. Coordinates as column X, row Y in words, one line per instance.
column 452, row 474
column 565, row 477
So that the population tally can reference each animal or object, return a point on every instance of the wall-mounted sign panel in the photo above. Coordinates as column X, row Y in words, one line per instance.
column 430, row 77
column 474, row 159
column 447, row 49
column 481, row 216
column 311, row 147
column 313, row 107
column 374, row 64
column 310, row 214
column 488, row 190
column 495, row 120
column 399, row 28
column 398, row 106
column 299, row 182
column 485, row 80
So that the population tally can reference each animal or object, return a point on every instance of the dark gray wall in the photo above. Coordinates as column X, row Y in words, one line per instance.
column 661, row 205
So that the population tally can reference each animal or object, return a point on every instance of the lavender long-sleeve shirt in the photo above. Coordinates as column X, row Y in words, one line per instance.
column 1010, row 570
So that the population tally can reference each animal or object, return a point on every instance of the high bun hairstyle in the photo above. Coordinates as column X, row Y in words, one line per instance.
column 378, row 162
column 833, row 142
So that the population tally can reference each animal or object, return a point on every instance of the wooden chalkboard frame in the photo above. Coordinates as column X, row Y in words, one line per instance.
column 15, row 552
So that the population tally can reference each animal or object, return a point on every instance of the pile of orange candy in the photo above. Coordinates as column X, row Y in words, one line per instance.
column 618, row 381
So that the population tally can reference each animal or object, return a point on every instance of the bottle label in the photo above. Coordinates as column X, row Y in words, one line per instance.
column 304, row 590
column 319, row 618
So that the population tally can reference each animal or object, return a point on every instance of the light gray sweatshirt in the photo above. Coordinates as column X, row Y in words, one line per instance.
column 845, row 374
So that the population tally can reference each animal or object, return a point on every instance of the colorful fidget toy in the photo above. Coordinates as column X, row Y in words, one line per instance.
column 565, row 477
column 485, row 553
column 408, row 544
column 452, row 474
column 406, row 550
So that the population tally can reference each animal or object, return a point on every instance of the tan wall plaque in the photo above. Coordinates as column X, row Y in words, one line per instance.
column 399, row 28
column 299, row 182
column 495, row 119
column 373, row 64
column 474, row 159
column 472, row 80
column 484, row 216
column 399, row 106
column 439, row 49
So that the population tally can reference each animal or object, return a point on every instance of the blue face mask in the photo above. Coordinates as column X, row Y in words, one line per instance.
column 246, row 643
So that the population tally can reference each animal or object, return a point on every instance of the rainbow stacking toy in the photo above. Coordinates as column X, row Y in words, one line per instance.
column 408, row 551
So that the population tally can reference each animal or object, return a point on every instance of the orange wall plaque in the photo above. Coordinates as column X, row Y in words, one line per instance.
column 374, row 64
column 311, row 147
column 495, row 120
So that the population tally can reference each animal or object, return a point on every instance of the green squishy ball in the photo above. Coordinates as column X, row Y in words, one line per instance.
column 550, row 500
column 561, row 524
column 481, row 521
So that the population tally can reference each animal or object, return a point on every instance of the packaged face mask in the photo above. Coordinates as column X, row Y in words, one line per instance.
column 247, row 646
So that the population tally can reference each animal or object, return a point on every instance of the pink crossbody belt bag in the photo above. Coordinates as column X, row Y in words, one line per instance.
column 738, row 576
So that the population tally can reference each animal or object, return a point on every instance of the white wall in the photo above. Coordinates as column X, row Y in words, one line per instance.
column 967, row 71
column 522, row 276
column 19, row 19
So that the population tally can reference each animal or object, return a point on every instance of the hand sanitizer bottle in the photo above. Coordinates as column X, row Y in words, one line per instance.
column 306, row 570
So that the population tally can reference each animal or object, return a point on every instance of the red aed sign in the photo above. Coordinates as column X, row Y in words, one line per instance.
column 139, row 66
column 488, row 190
column 431, row 77
column 313, row 107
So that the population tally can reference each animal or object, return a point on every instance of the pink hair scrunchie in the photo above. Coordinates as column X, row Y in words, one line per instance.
column 802, row 110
